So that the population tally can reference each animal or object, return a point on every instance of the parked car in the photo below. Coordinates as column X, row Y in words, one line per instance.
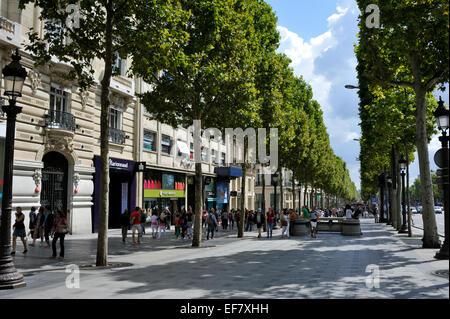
column 438, row 210
column 414, row 210
column 419, row 209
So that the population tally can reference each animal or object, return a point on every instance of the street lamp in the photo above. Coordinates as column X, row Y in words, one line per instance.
column 275, row 179
column 389, row 184
column 14, row 75
column 404, row 228
column 442, row 118
column 382, row 181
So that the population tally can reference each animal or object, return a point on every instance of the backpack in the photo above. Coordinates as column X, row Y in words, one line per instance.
column 283, row 221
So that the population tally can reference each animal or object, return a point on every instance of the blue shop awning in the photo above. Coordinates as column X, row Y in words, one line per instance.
column 230, row 172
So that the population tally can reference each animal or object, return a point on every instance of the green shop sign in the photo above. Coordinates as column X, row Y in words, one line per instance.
column 163, row 193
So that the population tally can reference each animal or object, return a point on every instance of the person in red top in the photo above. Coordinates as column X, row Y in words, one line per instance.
column 135, row 221
column 270, row 220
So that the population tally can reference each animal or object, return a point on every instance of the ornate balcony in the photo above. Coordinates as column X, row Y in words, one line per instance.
column 60, row 120
column 116, row 136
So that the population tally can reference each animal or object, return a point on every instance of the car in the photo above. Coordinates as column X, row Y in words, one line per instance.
column 414, row 210
column 437, row 210
column 419, row 209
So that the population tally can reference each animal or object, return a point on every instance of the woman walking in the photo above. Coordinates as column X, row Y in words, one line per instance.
column 154, row 223
column 125, row 223
column 259, row 221
column 60, row 231
column 39, row 226
column 19, row 231
column 162, row 224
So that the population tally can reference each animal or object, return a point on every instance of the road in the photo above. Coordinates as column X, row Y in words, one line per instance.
column 331, row 266
column 418, row 222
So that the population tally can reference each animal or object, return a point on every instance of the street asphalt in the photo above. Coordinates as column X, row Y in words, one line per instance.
column 378, row 264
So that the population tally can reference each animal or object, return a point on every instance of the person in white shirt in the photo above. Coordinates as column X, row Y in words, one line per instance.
column 284, row 224
column 348, row 212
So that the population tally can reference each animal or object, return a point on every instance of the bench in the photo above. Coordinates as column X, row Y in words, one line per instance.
column 347, row 227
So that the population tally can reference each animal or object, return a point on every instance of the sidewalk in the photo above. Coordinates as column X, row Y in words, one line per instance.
column 330, row 266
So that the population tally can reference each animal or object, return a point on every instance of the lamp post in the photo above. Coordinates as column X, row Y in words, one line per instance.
column 389, row 184
column 404, row 228
column 442, row 118
column 14, row 75
column 382, row 181
column 275, row 184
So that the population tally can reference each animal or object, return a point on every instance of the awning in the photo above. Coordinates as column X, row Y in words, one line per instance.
column 231, row 172
column 182, row 146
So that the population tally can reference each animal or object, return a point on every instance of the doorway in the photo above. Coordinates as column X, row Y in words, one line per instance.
column 54, row 182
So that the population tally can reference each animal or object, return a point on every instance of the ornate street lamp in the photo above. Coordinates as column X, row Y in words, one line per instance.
column 275, row 179
column 404, row 228
column 14, row 75
column 442, row 118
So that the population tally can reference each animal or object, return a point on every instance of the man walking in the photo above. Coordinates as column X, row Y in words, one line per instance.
column 270, row 220
column 135, row 221
column 211, row 221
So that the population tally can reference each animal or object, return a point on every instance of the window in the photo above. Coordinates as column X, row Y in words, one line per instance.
column 222, row 158
column 115, row 118
column 119, row 64
column 191, row 151
column 149, row 140
column 166, row 144
column 58, row 99
column 213, row 156
column 204, row 154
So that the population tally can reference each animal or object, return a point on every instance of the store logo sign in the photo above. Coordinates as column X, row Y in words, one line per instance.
column 117, row 164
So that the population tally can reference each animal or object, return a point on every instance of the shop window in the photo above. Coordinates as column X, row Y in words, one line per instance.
column 166, row 144
column 149, row 140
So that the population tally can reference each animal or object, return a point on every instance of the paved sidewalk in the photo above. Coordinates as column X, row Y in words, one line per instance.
column 330, row 266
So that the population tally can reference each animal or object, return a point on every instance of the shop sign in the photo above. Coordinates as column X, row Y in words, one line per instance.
column 163, row 193
column 120, row 165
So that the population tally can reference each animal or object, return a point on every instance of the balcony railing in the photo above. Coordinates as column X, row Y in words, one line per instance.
column 116, row 136
column 60, row 120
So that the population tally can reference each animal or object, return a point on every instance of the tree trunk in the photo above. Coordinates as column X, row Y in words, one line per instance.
column 398, row 206
column 293, row 192
column 102, row 242
column 242, row 218
column 430, row 235
column 281, row 189
column 197, row 238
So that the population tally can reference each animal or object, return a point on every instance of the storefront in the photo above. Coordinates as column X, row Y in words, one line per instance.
column 122, row 190
column 163, row 190
column 224, row 176
column 210, row 192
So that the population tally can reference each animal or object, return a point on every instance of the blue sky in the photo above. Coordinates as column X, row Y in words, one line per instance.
column 319, row 37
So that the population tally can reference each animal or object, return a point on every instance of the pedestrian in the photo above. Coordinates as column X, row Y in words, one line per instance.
column 216, row 214
column 260, row 220
column 211, row 221
column 292, row 217
column 168, row 218
column 348, row 211
column 357, row 213
column 251, row 220
column 237, row 218
column 39, row 227
column 154, row 223
column 143, row 221
column 284, row 225
column 270, row 221
column 231, row 219
column 59, row 230
column 314, row 216
column 19, row 231
column 225, row 220
column 48, row 224
column 125, row 223
column 183, row 223
column 247, row 220
column 177, row 226
column 135, row 222
column 204, row 215
column 162, row 224
column 32, row 222
column 189, row 222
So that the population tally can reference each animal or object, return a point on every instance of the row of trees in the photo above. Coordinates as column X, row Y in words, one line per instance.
column 213, row 61
column 400, row 64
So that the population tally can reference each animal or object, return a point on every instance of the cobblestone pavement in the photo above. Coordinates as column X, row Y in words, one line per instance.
column 330, row 266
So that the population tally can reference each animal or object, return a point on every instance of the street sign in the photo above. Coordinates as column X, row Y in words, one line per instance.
column 441, row 158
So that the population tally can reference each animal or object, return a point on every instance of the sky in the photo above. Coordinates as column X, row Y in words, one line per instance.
column 319, row 38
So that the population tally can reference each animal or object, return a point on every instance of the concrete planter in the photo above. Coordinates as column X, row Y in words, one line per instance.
column 301, row 227
column 329, row 225
column 351, row 227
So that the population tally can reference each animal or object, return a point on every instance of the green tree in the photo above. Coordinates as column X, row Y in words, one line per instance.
column 411, row 49
column 211, row 76
column 104, row 28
